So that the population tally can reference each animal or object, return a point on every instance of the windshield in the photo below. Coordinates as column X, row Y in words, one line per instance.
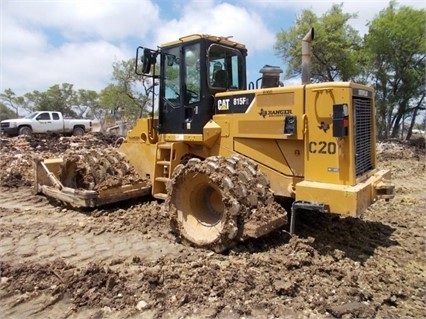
column 31, row 115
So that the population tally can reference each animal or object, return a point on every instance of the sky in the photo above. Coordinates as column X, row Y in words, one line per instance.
column 49, row 42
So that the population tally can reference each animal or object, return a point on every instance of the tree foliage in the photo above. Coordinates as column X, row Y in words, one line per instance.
column 11, row 100
column 6, row 113
column 60, row 98
column 335, row 48
column 87, row 103
column 396, row 50
column 136, row 87
column 128, row 97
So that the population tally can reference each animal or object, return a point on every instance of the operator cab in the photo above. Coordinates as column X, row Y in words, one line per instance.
column 192, row 70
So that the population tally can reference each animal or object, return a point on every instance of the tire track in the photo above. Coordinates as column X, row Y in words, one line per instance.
column 33, row 230
column 23, row 199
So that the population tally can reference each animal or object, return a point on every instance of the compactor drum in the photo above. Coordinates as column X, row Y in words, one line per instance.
column 220, row 151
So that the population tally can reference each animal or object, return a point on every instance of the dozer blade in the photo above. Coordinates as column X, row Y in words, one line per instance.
column 71, row 180
column 87, row 198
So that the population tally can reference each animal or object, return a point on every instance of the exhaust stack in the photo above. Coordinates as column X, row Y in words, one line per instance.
column 270, row 76
column 306, row 56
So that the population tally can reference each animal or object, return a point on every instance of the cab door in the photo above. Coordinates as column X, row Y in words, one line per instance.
column 170, row 103
column 42, row 122
column 184, row 106
column 195, row 114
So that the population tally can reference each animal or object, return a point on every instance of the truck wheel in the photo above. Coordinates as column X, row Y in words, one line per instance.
column 78, row 131
column 25, row 130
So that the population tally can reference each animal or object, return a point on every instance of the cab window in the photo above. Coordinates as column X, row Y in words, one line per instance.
column 172, row 76
column 43, row 116
column 192, row 73
column 225, row 67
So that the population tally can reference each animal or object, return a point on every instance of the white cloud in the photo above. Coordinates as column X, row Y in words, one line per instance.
column 14, row 37
column 224, row 19
column 46, row 43
column 78, row 19
column 49, row 42
column 86, row 65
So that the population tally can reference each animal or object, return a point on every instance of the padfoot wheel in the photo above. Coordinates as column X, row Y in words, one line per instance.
column 205, row 213
column 217, row 202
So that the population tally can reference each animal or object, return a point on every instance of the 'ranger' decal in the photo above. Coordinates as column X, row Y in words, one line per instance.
column 274, row 113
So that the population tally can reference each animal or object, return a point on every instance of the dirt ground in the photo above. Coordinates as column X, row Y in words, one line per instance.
column 122, row 261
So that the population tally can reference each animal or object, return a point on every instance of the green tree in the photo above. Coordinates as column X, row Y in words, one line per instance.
column 396, row 50
column 11, row 100
column 6, row 113
column 113, row 101
column 335, row 49
column 87, row 103
column 134, row 90
column 32, row 100
column 61, row 98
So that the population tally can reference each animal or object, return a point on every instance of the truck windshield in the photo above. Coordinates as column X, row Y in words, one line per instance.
column 31, row 115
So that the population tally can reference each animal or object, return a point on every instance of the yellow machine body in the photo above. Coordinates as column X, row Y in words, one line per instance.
column 308, row 165
column 219, row 151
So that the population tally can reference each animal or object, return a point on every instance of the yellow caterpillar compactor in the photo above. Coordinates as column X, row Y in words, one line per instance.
column 221, row 151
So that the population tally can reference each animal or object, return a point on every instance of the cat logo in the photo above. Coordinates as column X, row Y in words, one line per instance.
column 223, row 105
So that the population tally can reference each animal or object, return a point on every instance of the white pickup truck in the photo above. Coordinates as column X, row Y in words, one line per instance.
column 45, row 122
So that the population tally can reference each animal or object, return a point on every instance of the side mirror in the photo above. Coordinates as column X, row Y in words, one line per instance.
column 148, row 58
column 147, row 61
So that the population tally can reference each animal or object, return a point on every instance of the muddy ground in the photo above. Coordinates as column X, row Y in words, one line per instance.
column 122, row 261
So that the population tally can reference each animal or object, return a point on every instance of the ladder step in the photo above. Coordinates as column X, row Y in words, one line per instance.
column 162, row 179
column 160, row 196
column 163, row 163
column 166, row 146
